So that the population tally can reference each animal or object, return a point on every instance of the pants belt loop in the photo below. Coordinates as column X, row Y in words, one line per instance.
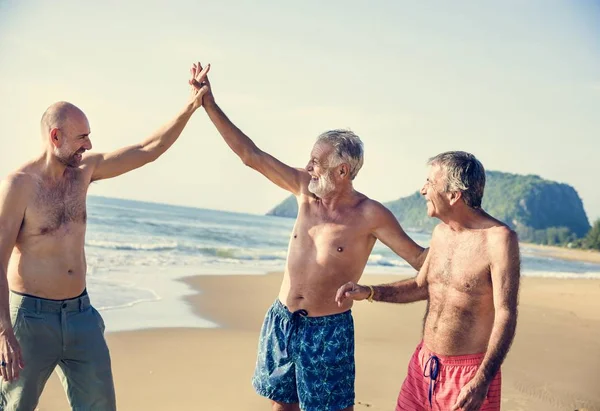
column 38, row 305
column 81, row 304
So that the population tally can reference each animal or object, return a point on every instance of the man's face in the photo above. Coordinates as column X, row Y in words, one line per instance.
column 438, row 201
column 74, row 141
column 322, row 181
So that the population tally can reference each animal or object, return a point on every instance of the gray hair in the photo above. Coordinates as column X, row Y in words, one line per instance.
column 348, row 149
column 464, row 173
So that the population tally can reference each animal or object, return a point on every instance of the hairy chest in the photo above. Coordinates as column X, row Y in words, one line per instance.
column 56, row 207
column 463, row 266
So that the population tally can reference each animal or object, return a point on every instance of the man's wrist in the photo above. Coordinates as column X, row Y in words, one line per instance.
column 189, row 109
column 5, row 328
column 371, row 293
column 423, row 257
column 481, row 379
column 209, row 104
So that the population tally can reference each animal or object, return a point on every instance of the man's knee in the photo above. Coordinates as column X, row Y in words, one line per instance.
column 280, row 406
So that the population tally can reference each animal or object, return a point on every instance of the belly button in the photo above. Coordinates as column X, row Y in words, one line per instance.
column 340, row 249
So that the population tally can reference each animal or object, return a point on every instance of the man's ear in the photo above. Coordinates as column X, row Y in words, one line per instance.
column 56, row 137
column 455, row 196
column 344, row 170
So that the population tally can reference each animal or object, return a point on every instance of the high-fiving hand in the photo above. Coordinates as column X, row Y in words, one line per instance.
column 201, row 92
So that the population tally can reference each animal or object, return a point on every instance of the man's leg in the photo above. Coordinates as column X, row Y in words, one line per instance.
column 39, row 337
column 85, row 368
column 458, row 371
column 280, row 406
column 274, row 375
column 413, row 393
column 325, row 367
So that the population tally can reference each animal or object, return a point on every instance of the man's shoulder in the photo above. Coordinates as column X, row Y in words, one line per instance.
column 491, row 228
column 16, row 190
column 503, row 251
column 91, row 159
column 20, row 180
column 502, row 242
column 370, row 208
column 369, row 203
column 501, row 232
column 439, row 235
column 440, row 229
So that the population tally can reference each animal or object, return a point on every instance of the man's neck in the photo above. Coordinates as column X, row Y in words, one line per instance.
column 463, row 218
column 51, row 167
column 339, row 198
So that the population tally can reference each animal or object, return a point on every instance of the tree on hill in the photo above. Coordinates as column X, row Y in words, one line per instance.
column 592, row 239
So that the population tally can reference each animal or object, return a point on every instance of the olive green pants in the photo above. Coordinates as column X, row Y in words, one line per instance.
column 69, row 334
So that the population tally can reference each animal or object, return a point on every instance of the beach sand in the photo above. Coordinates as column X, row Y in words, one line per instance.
column 564, row 253
column 553, row 365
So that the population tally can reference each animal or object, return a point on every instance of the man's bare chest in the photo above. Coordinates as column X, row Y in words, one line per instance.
column 341, row 236
column 464, row 267
column 56, row 207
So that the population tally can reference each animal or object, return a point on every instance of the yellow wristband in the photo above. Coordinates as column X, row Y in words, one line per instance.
column 370, row 297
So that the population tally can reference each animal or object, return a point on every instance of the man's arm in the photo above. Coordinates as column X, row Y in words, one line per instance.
column 286, row 177
column 13, row 201
column 505, row 272
column 389, row 232
column 113, row 164
column 289, row 178
column 404, row 291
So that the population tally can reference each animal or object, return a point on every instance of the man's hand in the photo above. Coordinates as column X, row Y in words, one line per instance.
column 471, row 396
column 11, row 360
column 351, row 291
column 201, row 91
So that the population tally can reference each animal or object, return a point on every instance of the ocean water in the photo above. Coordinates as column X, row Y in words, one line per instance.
column 137, row 252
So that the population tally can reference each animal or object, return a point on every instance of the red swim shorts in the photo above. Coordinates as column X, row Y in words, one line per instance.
column 434, row 381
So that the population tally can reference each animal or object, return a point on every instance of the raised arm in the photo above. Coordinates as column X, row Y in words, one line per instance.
column 505, row 272
column 289, row 178
column 113, row 164
column 13, row 193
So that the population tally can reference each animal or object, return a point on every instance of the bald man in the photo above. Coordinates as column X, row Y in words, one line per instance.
column 46, row 318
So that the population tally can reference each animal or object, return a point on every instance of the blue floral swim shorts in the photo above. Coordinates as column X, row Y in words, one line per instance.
column 306, row 360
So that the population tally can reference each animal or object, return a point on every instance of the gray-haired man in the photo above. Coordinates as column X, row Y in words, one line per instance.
column 306, row 349
column 470, row 280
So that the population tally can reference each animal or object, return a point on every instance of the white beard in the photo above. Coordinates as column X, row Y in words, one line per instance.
column 321, row 187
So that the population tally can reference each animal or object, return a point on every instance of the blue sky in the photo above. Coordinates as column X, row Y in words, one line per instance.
column 516, row 83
